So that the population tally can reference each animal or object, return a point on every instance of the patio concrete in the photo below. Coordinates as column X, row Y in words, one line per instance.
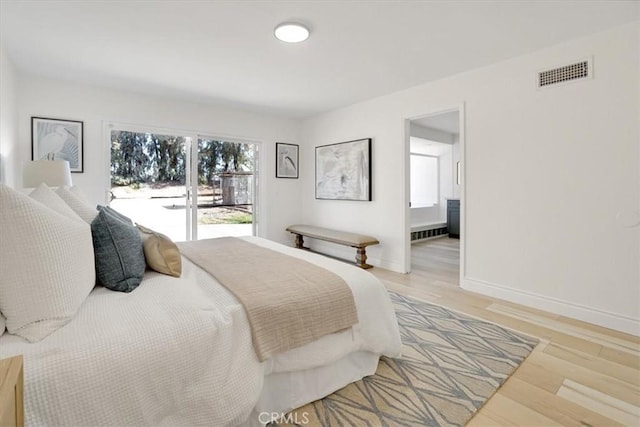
column 168, row 216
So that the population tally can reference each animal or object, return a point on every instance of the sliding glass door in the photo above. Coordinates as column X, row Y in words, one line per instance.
column 226, row 178
column 149, row 182
column 185, row 189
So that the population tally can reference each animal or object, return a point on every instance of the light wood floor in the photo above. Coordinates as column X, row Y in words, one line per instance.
column 579, row 375
column 437, row 260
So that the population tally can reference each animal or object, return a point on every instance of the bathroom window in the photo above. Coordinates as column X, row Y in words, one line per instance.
column 424, row 180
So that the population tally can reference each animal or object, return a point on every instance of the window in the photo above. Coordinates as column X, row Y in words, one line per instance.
column 424, row 180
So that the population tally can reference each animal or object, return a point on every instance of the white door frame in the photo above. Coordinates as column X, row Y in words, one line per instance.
column 406, row 226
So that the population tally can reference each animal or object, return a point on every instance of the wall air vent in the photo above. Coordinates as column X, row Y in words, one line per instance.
column 567, row 73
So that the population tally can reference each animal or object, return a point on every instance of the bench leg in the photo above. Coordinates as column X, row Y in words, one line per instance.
column 361, row 258
column 299, row 241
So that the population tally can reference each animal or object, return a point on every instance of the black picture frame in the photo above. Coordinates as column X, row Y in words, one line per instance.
column 343, row 171
column 58, row 139
column 287, row 160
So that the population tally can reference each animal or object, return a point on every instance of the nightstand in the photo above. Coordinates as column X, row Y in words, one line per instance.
column 11, row 397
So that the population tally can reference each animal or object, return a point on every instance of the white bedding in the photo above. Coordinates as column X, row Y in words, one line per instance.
column 178, row 352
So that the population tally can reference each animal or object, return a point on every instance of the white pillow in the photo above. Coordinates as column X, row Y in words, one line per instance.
column 47, row 267
column 49, row 198
column 75, row 190
column 82, row 208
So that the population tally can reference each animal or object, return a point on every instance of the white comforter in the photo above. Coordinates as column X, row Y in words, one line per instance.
column 178, row 352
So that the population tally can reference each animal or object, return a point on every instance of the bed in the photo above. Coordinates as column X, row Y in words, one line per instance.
column 178, row 351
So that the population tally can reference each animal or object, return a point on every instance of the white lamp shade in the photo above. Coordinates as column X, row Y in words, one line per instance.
column 54, row 173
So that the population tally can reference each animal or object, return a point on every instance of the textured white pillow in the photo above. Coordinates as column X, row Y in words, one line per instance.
column 49, row 198
column 79, row 206
column 47, row 267
column 75, row 190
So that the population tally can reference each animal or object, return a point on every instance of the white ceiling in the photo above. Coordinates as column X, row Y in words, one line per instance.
column 224, row 52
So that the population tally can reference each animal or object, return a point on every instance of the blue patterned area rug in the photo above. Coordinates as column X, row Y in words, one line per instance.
column 451, row 365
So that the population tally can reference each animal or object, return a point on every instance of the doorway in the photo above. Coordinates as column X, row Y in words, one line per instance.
column 434, row 151
column 181, row 184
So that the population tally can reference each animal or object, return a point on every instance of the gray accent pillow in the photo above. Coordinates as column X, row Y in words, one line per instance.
column 117, row 246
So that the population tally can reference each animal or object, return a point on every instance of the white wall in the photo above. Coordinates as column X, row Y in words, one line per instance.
column 547, row 172
column 94, row 105
column 9, row 173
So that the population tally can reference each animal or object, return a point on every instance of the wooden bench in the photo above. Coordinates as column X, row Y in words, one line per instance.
column 358, row 241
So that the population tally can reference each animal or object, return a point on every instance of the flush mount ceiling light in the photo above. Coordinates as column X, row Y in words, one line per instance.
column 291, row 32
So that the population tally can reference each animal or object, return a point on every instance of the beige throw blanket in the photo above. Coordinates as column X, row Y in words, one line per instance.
column 290, row 302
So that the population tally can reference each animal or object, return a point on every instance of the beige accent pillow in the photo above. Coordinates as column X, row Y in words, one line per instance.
column 79, row 206
column 161, row 254
column 49, row 198
column 47, row 267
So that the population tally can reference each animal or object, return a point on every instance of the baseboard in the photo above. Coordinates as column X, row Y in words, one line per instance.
column 603, row 318
column 388, row 265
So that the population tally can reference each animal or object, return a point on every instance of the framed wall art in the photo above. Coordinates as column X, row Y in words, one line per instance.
column 287, row 159
column 57, row 139
column 343, row 171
